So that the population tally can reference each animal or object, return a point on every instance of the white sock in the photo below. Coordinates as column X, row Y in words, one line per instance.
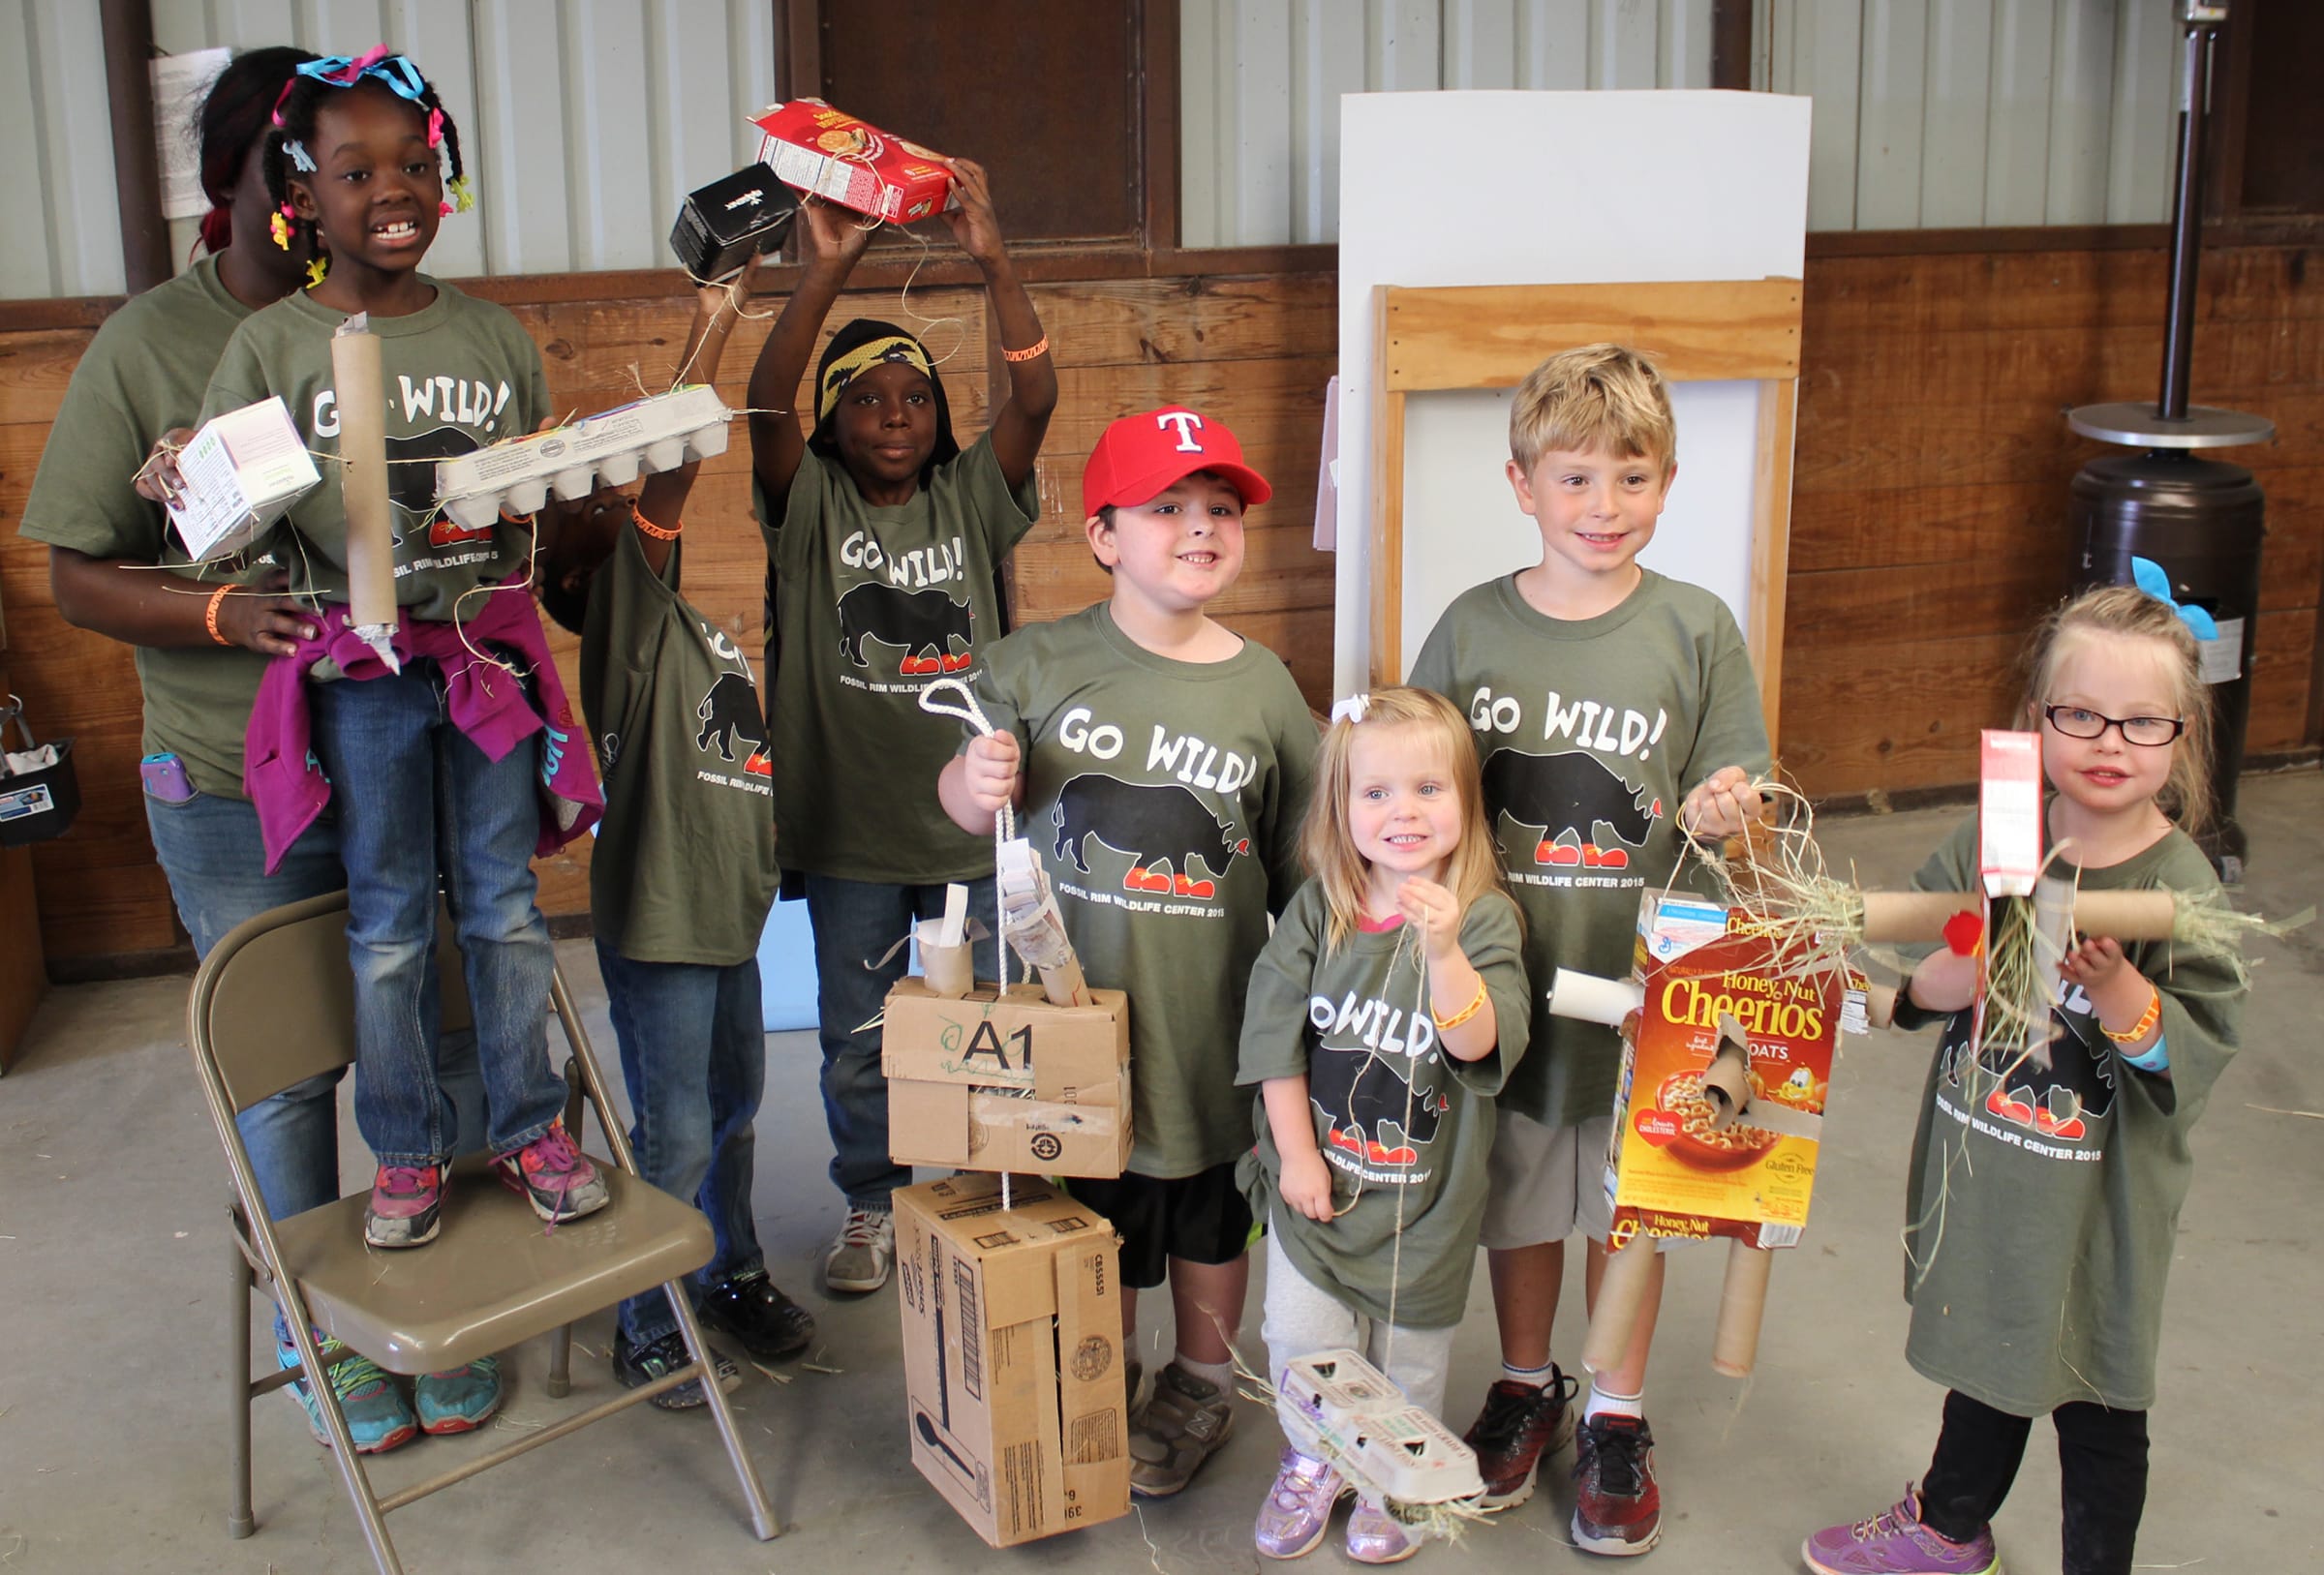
column 1533, row 1377
column 1221, row 1374
column 1601, row 1404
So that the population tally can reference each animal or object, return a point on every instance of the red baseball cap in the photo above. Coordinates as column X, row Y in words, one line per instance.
column 1144, row 455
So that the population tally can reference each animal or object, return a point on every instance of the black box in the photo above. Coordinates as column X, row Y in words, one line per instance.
column 724, row 223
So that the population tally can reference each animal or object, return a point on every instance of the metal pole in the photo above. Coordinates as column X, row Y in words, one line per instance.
column 127, row 26
column 2202, row 23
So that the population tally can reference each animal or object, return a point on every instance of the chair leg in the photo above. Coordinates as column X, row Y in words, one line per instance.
column 762, row 1516
column 343, row 1444
column 239, row 1522
column 561, row 1361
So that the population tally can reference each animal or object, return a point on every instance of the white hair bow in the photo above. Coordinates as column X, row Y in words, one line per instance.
column 1351, row 710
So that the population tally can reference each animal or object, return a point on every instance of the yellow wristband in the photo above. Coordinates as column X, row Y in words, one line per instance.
column 1465, row 1012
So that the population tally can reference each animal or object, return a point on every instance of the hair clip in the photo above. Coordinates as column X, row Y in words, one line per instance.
column 435, row 126
column 318, row 268
column 394, row 71
column 463, row 199
column 2151, row 578
column 1351, row 710
column 301, row 159
column 279, row 226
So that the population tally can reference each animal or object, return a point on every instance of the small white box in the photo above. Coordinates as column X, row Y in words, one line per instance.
column 239, row 473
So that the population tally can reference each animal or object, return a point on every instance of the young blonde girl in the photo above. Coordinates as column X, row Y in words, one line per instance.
column 1382, row 1016
column 2045, row 1199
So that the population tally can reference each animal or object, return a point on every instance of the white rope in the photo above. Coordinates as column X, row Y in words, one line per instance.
column 1004, row 821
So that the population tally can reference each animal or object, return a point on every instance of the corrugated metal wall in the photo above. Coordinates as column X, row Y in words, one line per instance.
column 583, row 121
column 1260, row 82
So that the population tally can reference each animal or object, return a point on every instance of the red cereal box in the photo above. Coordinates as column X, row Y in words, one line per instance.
column 819, row 149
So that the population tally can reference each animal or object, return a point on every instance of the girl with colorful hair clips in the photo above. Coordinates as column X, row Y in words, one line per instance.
column 885, row 539
column 438, row 762
column 2043, row 1202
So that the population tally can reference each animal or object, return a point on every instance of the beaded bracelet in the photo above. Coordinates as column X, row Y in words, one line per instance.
column 209, row 615
column 2147, row 1019
column 1039, row 346
column 653, row 529
column 1465, row 1012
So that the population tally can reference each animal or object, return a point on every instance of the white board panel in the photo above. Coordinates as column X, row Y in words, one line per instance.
column 1731, row 171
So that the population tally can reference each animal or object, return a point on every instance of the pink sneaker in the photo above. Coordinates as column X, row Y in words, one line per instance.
column 1377, row 1537
column 1297, row 1511
column 1895, row 1542
column 406, row 1207
column 555, row 1176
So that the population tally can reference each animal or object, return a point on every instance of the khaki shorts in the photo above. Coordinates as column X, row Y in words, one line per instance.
column 1545, row 1183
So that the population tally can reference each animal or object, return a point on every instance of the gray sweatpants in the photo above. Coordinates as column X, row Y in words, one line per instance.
column 1301, row 1318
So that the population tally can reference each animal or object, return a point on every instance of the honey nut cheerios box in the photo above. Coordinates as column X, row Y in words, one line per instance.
column 1669, row 1171
column 831, row 153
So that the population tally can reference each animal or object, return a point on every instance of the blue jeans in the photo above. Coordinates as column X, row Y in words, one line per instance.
column 694, row 1058
column 854, row 923
column 417, row 799
column 210, row 850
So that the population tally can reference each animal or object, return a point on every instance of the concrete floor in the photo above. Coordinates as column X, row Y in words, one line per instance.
column 111, row 1243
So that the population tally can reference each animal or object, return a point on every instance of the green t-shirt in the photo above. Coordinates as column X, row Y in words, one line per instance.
column 2043, row 1204
column 870, row 605
column 1592, row 732
column 1165, row 798
column 684, row 869
column 143, row 374
column 461, row 374
column 1405, row 1128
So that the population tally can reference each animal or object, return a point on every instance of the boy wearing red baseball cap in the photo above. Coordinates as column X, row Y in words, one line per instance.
column 1169, row 761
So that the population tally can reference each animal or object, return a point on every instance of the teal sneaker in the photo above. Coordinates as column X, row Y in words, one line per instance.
column 377, row 1417
column 460, row 1401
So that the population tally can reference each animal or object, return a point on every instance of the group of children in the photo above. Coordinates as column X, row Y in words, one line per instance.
column 1337, row 951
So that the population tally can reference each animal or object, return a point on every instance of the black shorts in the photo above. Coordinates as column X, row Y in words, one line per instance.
column 1203, row 1218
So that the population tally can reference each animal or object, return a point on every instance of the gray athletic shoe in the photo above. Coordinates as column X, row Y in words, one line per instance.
column 1186, row 1422
column 864, row 1253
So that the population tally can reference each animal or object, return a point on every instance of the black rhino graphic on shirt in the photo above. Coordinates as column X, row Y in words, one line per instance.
column 914, row 621
column 411, row 484
column 1163, row 824
column 2060, row 1095
column 1363, row 1098
column 1565, row 796
column 730, row 715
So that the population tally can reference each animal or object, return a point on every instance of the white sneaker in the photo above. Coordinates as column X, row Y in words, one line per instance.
column 864, row 1253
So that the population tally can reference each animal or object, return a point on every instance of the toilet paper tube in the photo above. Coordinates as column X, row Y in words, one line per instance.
column 360, row 388
column 1742, row 1304
column 950, row 970
column 1595, row 999
column 1920, row 915
column 1621, row 1293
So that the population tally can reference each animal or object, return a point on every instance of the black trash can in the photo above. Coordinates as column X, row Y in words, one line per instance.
column 2202, row 522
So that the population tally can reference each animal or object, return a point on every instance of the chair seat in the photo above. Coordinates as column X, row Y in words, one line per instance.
column 495, row 1274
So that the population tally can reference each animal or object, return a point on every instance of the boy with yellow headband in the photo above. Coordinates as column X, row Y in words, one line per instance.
column 885, row 539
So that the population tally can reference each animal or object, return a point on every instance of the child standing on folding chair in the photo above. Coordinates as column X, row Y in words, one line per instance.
column 457, row 766
column 1386, row 1010
column 679, row 884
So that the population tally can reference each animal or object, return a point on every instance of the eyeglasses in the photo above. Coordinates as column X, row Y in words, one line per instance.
column 2147, row 732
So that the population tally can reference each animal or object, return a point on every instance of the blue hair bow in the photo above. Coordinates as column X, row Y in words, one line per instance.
column 2150, row 578
column 344, row 71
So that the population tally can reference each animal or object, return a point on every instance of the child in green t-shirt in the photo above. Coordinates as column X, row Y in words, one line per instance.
column 1600, row 693
column 885, row 541
column 680, row 882
column 1164, row 761
column 1382, row 1016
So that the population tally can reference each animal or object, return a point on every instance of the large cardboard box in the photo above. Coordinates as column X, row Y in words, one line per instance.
column 1671, row 1171
column 1003, row 1080
column 1012, row 1355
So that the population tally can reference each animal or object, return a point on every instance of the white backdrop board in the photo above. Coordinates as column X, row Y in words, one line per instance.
column 1464, row 189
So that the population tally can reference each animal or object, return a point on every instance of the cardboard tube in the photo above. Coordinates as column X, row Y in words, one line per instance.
column 2126, row 915
column 1727, row 1083
column 950, row 970
column 361, row 390
column 1066, row 985
column 1594, row 999
column 1920, row 915
column 1742, row 1301
column 1880, row 1004
column 1621, row 1293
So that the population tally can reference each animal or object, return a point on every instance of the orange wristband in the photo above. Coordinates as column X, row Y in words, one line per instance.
column 2147, row 1019
column 653, row 529
column 209, row 614
column 1039, row 346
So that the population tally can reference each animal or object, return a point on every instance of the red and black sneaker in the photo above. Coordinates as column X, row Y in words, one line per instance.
column 1617, row 1509
column 1518, row 1428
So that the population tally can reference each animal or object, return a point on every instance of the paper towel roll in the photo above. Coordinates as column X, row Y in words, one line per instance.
column 361, row 390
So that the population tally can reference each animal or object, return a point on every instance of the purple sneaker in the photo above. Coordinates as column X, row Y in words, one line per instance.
column 1895, row 1542
column 555, row 1176
column 1297, row 1511
column 406, row 1207
column 1377, row 1537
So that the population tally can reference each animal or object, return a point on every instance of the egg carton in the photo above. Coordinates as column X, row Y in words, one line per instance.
column 661, row 431
column 1337, row 1407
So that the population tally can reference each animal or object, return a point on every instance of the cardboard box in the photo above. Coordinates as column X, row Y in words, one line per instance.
column 723, row 224
column 1007, row 1081
column 242, row 471
column 2008, row 811
column 819, row 149
column 1012, row 1363
column 1667, row 1172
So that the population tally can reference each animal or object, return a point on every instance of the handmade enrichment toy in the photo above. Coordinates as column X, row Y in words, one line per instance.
column 237, row 475
column 661, row 431
column 723, row 224
column 361, row 387
column 1335, row 1406
column 832, row 154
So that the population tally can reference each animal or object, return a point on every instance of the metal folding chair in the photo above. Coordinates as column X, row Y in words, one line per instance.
column 272, row 1004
